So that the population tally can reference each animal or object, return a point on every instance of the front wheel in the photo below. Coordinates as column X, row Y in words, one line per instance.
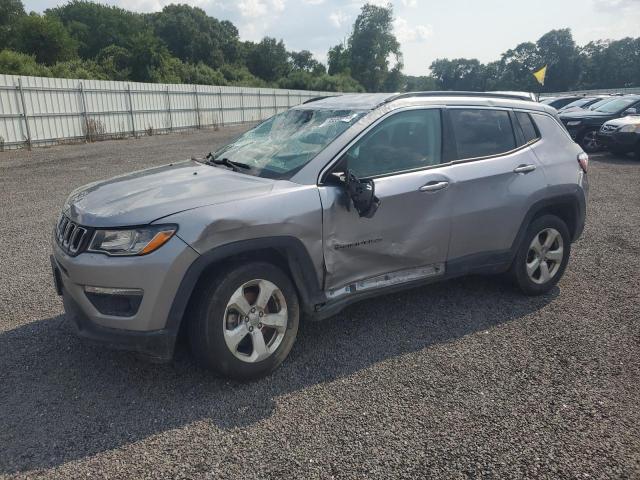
column 589, row 141
column 543, row 255
column 244, row 321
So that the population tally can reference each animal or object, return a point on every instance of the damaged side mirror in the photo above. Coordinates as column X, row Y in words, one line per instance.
column 362, row 193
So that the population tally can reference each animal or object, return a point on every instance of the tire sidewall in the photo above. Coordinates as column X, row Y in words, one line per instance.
column 212, row 310
column 525, row 283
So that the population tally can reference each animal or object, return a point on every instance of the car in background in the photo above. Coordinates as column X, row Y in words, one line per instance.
column 559, row 102
column 583, row 125
column 621, row 135
column 580, row 104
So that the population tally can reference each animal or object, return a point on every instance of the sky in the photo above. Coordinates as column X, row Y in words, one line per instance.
column 426, row 29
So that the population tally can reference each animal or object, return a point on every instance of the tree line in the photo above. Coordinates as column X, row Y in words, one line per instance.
column 182, row 44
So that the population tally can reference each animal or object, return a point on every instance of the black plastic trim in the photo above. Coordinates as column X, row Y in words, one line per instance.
column 298, row 260
column 157, row 345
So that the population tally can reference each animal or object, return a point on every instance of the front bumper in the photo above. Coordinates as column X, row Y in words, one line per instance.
column 157, row 275
column 621, row 141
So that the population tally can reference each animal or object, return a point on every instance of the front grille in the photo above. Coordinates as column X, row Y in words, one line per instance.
column 70, row 236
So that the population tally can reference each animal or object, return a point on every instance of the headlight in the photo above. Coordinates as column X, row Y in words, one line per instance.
column 574, row 123
column 630, row 129
column 134, row 241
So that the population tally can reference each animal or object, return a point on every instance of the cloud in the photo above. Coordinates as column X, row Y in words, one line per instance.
column 338, row 18
column 611, row 6
column 252, row 8
column 407, row 33
column 410, row 3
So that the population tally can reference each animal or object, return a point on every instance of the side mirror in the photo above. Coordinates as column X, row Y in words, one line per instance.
column 362, row 193
column 630, row 111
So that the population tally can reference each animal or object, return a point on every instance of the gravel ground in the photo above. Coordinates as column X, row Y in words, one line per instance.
column 456, row 380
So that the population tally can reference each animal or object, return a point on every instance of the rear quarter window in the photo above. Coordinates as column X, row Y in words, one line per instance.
column 529, row 129
column 482, row 133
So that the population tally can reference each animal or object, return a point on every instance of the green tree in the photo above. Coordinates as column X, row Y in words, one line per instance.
column 269, row 60
column 191, row 35
column 303, row 60
column 44, row 37
column 16, row 63
column 339, row 60
column 371, row 45
column 95, row 26
column 418, row 84
column 558, row 50
column 10, row 13
column 459, row 74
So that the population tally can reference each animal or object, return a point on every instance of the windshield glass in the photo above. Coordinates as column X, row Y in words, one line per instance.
column 599, row 103
column 578, row 103
column 280, row 146
column 616, row 105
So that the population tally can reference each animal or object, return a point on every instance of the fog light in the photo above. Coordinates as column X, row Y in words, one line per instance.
column 118, row 302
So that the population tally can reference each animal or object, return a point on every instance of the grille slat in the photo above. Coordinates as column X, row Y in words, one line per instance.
column 71, row 236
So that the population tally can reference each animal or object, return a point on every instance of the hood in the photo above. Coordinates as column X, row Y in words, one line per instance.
column 621, row 122
column 141, row 197
column 585, row 115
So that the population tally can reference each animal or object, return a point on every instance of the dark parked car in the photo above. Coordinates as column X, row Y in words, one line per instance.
column 621, row 135
column 583, row 125
column 580, row 104
column 559, row 102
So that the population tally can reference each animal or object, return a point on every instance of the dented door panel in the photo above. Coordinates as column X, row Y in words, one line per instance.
column 409, row 230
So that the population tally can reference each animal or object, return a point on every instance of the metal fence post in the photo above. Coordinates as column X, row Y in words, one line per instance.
column 195, row 91
column 260, row 103
column 133, row 122
column 242, row 106
column 221, row 107
column 169, row 109
column 24, row 113
column 83, row 103
column 275, row 102
column 288, row 99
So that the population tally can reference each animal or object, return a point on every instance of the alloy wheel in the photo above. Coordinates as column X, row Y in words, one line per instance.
column 545, row 255
column 255, row 320
column 590, row 141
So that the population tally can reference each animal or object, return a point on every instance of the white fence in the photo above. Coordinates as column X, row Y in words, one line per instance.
column 44, row 111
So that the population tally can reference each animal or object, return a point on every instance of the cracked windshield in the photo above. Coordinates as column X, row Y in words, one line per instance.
column 286, row 142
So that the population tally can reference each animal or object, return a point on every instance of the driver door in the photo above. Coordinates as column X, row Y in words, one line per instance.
column 408, row 236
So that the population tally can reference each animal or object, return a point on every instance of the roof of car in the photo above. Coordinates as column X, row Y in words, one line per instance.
column 370, row 101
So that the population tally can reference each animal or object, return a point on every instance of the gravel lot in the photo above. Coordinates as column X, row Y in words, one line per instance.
column 462, row 379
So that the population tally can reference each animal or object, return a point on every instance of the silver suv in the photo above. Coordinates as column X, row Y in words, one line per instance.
column 325, row 204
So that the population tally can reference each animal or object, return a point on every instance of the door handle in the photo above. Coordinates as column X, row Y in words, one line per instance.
column 524, row 168
column 434, row 186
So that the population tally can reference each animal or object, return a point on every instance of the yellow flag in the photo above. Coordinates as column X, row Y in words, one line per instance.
column 540, row 75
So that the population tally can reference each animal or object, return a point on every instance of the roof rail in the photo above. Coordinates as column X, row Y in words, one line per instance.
column 511, row 96
column 315, row 99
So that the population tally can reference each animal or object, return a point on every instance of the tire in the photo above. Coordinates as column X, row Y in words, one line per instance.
column 220, row 319
column 637, row 151
column 531, row 279
column 589, row 142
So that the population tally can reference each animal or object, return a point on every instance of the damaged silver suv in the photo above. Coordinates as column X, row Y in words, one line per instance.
column 325, row 204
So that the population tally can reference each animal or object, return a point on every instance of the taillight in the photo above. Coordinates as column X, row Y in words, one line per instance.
column 583, row 160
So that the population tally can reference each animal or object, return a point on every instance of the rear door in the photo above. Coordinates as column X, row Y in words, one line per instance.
column 409, row 234
column 495, row 180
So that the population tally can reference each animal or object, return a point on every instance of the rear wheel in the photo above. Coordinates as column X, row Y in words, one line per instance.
column 543, row 255
column 589, row 141
column 244, row 323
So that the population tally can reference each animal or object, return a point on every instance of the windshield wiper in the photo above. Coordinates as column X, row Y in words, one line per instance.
column 212, row 160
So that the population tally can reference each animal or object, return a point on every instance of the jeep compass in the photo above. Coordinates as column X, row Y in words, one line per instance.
column 330, row 202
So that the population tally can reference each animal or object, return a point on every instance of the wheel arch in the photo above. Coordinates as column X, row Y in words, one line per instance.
column 286, row 252
column 570, row 208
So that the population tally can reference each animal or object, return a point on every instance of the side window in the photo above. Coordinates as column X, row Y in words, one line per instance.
column 481, row 133
column 529, row 129
column 404, row 141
